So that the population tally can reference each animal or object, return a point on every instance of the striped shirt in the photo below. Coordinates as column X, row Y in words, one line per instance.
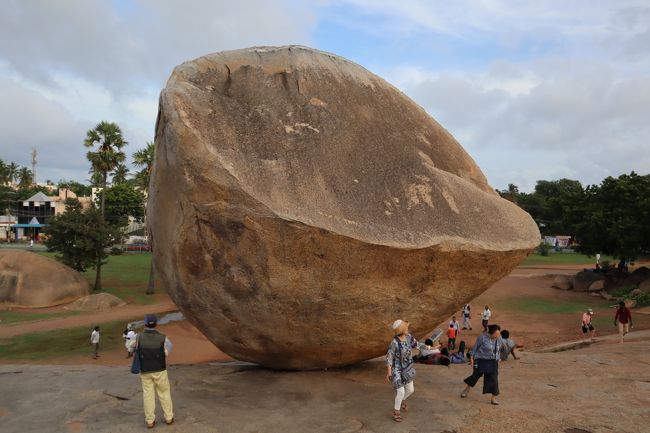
column 487, row 348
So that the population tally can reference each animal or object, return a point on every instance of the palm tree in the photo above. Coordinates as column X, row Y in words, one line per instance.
column 144, row 158
column 13, row 171
column 120, row 173
column 25, row 177
column 103, row 159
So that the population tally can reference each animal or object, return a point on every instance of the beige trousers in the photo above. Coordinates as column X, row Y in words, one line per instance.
column 152, row 384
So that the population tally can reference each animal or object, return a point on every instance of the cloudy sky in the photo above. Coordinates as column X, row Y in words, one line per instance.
column 533, row 90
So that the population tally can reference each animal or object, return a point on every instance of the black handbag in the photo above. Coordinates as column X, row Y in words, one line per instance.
column 407, row 373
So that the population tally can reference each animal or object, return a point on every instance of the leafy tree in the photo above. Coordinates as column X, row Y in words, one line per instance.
column 144, row 158
column 80, row 236
column 123, row 201
column 612, row 218
column 120, row 172
column 25, row 177
column 108, row 139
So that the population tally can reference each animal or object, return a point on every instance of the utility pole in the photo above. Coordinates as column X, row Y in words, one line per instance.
column 34, row 153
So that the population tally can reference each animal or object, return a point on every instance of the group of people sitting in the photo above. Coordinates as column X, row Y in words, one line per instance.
column 435, row 354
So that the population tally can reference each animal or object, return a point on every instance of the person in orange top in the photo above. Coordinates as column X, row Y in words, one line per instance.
column 451, row 333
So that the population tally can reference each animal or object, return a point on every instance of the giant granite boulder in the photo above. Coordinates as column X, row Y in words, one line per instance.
column 300, row 204
column 30, row 280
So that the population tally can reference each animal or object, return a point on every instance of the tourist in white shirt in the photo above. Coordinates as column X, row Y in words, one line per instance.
column 94, row 340
column 485, row 318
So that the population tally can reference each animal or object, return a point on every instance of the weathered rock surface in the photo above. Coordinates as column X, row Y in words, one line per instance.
column 97, row 302
column 597, row 286
column 562, row 282
column 645, row 286
column 584, row 279
column 299, row 204
column 31, row 280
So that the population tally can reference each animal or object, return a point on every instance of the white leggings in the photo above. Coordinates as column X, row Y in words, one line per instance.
column 402, row 394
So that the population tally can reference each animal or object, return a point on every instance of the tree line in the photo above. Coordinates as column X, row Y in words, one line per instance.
column 608, row 218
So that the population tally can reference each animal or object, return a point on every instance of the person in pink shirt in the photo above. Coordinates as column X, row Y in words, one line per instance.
column 623, row 319
column 586, row 324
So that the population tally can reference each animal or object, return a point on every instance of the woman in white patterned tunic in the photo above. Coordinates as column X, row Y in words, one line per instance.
column 400, row 366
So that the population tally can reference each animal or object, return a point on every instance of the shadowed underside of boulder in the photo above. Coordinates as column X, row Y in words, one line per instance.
column 299, row 204
column 31, row 280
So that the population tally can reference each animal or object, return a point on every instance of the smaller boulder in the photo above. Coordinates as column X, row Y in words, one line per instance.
column 562, row 282
column 97, row 302
column 636, row 292
column 583, row 279
column 644, row 286
column 597, row 286
column 594, row 294
column 606, row 296
column 643, row 271
column 630, row 303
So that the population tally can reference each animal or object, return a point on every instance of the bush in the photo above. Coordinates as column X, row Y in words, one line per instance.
column 116, row 251
column 543, row 249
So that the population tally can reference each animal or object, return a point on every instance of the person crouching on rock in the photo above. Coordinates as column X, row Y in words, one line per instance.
column 400, row 365
column 484, row 358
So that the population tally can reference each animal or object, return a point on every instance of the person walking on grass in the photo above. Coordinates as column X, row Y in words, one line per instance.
column 94, row 340
column 466, row 316
column 400, row 366
column 623, row 319
column 484, row 359
column 485, row 318
column 152, row 348
column 586, row 324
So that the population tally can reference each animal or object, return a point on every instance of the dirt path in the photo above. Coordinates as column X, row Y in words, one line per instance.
column 126, row 312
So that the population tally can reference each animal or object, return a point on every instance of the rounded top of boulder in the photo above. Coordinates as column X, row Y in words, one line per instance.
column 96, row 302
column 317, row 139
column 31, row 280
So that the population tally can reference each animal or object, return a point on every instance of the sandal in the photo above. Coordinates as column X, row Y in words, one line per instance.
column 397, row 416
column 464, row 394
column 405, row 407
column 151, row 425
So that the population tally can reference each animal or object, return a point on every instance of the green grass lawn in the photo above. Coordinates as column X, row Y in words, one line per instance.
column 545, row 306
column 61, row 343
column 564, row 259
column 16, row 316
column 125, row 276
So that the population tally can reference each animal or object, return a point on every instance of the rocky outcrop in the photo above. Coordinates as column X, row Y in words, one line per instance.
column 31, row 280
column 562, row 282
column 300, row 204
column 97, row 302
column 584, row 279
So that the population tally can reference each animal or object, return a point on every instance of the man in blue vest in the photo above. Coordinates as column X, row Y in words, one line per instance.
column 153, row 348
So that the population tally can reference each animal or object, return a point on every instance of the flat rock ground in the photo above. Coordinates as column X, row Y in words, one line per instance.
column 604, row 387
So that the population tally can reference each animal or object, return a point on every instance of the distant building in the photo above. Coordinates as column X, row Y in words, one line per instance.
column 6, row 221
column 36, row 212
